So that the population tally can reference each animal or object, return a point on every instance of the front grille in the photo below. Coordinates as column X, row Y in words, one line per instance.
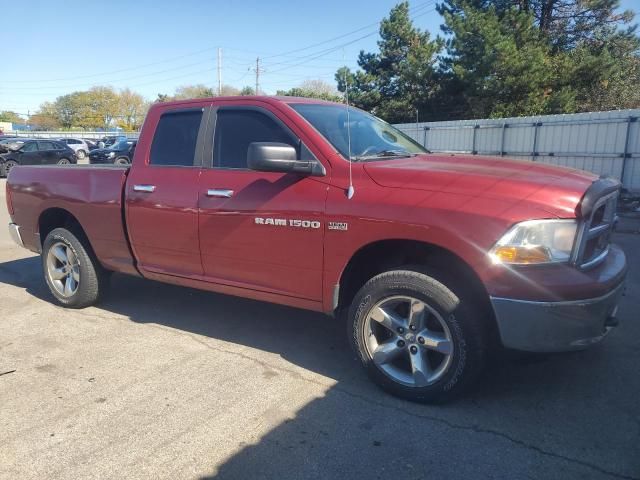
column 594, row 234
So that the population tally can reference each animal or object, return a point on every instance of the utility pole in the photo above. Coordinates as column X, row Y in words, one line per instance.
column 257, row 75
column 219, row 71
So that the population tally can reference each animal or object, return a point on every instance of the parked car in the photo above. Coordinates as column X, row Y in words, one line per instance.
column 91, row 143
column 119, row 153
column 109, row 140
column 431, row 260
column 77, row 145
column 9, row 144
column 37, row 152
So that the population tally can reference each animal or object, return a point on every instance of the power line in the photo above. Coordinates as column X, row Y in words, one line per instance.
column 416, row 9
column 316, row 55
column 137, row 67
column 103, row 74
column 329, row 50
column 119, row 80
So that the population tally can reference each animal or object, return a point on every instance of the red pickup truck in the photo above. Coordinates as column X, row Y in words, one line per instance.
column 432, row 260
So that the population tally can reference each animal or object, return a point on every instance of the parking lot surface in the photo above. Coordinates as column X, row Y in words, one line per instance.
column 168, row 382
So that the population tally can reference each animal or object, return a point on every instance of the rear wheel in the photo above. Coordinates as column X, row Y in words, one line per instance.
column 8, row 165
column 122, row 161
column 72, row 274
column 64, row 161
column 416, row 336
column 81, row 154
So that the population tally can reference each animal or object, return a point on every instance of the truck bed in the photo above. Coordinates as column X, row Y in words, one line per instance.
column 92, row 194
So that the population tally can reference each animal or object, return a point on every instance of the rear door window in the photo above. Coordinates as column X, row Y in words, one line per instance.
column 175, row 139
column 46, row 146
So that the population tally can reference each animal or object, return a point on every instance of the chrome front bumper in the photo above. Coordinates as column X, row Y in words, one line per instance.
column 14, row 231
column 556, row 326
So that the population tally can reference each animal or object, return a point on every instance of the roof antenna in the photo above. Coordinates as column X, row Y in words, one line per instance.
column 350, row 191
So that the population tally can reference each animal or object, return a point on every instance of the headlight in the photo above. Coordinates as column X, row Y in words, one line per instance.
column 111, row 154
column 536, row 241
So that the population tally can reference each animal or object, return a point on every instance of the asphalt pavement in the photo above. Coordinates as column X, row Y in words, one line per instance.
column 168, row 382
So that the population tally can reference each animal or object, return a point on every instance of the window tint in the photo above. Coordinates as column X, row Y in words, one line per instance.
column 46, row 146
column 174, row 142
column 30, row 147
column 236, row 129
column 73, row 141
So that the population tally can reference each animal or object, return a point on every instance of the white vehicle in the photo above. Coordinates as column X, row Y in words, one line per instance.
column 79, row 146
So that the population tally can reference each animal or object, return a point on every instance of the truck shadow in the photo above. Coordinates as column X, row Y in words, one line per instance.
column 311, row 340
column 356, row 430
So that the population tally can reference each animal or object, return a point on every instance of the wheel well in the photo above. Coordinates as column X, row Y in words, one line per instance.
column 385, row 255
column 61, row 218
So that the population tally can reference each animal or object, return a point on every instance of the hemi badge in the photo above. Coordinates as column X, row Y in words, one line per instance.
column 338, row 225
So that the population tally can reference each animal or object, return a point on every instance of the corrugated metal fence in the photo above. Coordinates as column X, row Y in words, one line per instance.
column 601, row 142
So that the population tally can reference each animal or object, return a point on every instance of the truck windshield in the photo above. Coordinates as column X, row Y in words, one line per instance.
column 371, row 138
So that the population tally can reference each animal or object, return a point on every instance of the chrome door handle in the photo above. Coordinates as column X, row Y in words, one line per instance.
column 219, row 193
column 144, row 188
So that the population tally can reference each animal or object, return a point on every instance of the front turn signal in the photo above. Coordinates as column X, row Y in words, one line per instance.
column 526, row 255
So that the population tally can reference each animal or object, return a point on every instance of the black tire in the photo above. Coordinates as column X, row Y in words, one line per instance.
column 81, row 154
column 64, row 161
column 121, row 161
column 93, row 279
column 463, row 318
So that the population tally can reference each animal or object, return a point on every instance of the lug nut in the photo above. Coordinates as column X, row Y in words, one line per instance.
column 412, row 327
column 400, row 343
column 400, row 330
column 413, row 349
column 420, row 339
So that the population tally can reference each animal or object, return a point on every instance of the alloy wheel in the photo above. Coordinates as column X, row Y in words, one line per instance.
column 408, row 340
column 9, row 164
column 63, row 269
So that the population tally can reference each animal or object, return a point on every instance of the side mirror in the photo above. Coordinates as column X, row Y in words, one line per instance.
column 280, row 157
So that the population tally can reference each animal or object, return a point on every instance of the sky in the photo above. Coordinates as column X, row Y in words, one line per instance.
column 155, row 46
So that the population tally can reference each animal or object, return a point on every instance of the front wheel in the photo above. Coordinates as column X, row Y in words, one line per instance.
column 416, row 336
column 64, row 161
column 122, row 161
column 81, row 154
column 72, row 274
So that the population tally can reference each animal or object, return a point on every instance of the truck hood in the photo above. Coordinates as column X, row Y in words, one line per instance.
column 556, row 190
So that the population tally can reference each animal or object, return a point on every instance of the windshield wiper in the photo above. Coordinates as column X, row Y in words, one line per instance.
column 384, row 154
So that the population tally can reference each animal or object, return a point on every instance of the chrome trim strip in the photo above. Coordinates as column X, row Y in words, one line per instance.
column 14, row 232
column 336, row 296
